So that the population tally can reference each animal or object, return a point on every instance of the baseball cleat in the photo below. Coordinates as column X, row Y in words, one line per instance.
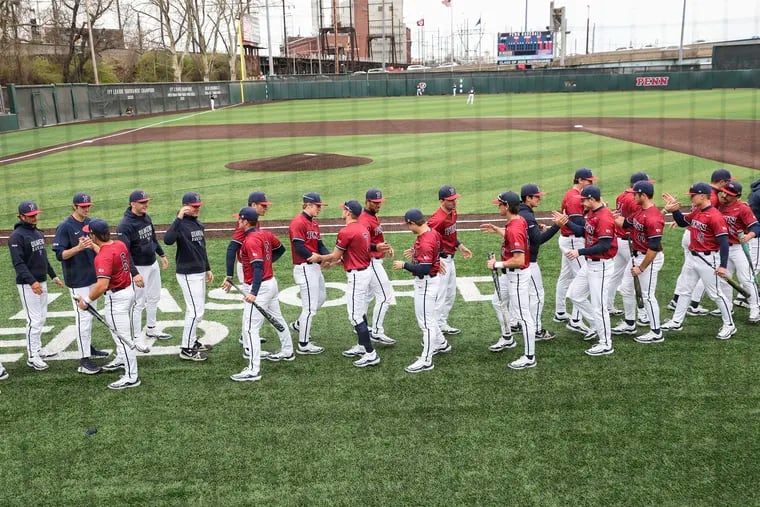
column 114, row 365
column 650, row 337
column 124, row 383
column 201, row 347
column 309, row 349
column 504, row 342
column 600, row 350
column 697, row 311
column 280, row 356
column 355, row 351
column 87, row 367
column 156, row 335
column 450, row 330
column 192, row 355
column 544, row 335
column 98, row 353
column 561, row 317
column 247, row 375
column 368, row 359
column 444, row 348
column 381, row 338
column 522, row 363
column 726, row 332
column 4, row 374
column 624, row 328
column 741, row 302
column 671, row 325
column 419, row 366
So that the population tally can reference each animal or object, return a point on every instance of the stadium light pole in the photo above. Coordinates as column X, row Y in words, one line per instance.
column 526, row 16
column 588, row 18
column 92, row 46
column 680, row 45
column 269, row 39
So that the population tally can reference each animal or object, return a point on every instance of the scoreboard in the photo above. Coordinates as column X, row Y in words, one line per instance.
column 520, row 47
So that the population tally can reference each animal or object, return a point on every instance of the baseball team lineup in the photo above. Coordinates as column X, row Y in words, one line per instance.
column 605, row 250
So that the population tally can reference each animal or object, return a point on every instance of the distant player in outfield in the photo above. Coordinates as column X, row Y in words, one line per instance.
column 29, row 258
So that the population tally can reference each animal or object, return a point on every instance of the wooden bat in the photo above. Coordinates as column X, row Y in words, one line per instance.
column 270, row 318
column 636, row 281
column 125, row 340
column 730, row 281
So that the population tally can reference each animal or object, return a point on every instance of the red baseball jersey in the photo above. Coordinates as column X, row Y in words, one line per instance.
column 647, row 223
column 446, row 225
column 112, row 262
column 572, row 207
column 516, row 241
column 739, row 217
column 704, row 226
column 626, row 206
column 426, row 250
column 353, row 239
column 306, row 229
column 371, row 222
column 600, row 224
column 257, row 246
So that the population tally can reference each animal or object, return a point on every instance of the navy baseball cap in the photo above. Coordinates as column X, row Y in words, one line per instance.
column 374, row 195
column 28, row 209
column 508, row 198
column 640, row 176
column 138, row 196
column 448, row 193
column 644, row 187
column 530, row 189
column 258, row 198
column 733, row 188
column 591, row 192
column 721, row 175
column 700, row 188
column 414, row 216
column 585, row 174
column 192, row 199
column 313, row 198
column 82, row 199
column 354, row 207
column 248, row 213
column 96, row 226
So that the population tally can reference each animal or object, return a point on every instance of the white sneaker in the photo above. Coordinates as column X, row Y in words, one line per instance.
column 355, row 351
column 522, row 363
column 3, row 374
column 600, row 350
column 615, row 311
column 263, row 354
column 156, row 335
column 247, row 375
column 124, row 383
column 114, row 365
column 697, row 311
column 561, row 317
column 650, row 337
column 37, row 363
column 642, row 320
column 726, row 332
column 672, row 304
column 741, row 302
column 381, row 338
column 369, row 359
column 754, row 315
column 578, row 326
column 280, row 356
column 671, row 325
column 624, row 328
column 419, row 366
column 450, row 330
column 309, row 348
column 443, row 348
column 504, row 342
column 715, row 312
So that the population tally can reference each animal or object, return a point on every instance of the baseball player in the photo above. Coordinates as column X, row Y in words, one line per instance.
column 573, row 209
column 588, row 290
column 112, row 266
column 444, row 221
column 193, row 272
column 136, row 231
column 259, row 250
column 380, row 286
column 305, row 241
column 708, row 256
column 741, row 222
column 515, row 278
column 424, row 263
column 753, row 200
column 353, row 248
column 74, row 248
column 29, row 258
column 646, row 226
column 471, row 96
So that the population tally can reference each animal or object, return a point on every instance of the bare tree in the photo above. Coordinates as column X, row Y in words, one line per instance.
column 202, row 15
column 173, row 20
column 230, row 12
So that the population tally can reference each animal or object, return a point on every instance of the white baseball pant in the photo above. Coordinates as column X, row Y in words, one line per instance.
column 695, row 269
column 695, row 292
column 118, row 313
column 425, row 296
column 357, row 294
column 568, row 271
column 381, row 290
column 310, row 280
column 537, row 295
column 194, row 291
column 588, row 292
column 621, row 266
column 648, row 282
column 739, row 264
column 754, row 253
column 147, row 297
column 35, row 311
column 253, row 320
column 518, row 282
column 83, row 321
column 447, row 291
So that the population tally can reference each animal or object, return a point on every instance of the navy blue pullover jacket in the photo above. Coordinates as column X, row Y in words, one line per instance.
column 27, row 245
column 138, row 233
column 191, row 256
column 79, row 270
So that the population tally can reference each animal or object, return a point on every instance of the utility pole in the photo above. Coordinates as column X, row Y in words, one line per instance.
column 269, row 39
column 285, row 34
column 92, row 45
column 588, row 17
column 382, row 31
column 335, row 29
column 680, row 45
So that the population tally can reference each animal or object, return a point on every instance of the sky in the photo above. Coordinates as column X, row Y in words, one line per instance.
column 612, row 23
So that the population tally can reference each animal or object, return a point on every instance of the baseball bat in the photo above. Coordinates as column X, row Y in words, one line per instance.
column 636, row 281
column 270, row 318
column 745, row 249
column 730, row 281
column 126, row 341
column 497, row 287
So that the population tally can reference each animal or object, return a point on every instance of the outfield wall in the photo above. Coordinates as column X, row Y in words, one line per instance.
column 39, row 106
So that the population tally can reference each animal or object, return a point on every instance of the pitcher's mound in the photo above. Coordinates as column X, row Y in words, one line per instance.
column 299, row 162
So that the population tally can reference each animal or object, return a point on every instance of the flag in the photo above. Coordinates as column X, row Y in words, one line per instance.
column 421, row 22
column 478, row 23
column 446, row 3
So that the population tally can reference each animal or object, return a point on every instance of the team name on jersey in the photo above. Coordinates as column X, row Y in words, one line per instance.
column 452, row 229
column 38, row 244
column 196, row 235
column 700, row 226
column 312, row 235
column 589, row 228
column 378, row 230
column 147, row 232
